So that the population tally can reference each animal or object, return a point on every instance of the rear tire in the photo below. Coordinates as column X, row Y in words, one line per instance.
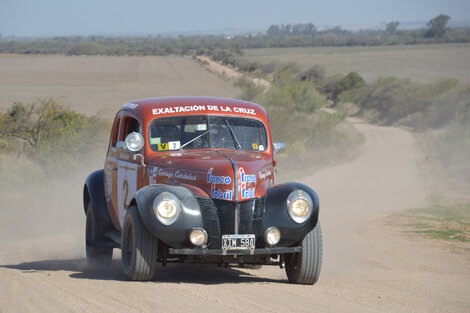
column 95, row 254
column 139, row 248
column 304, row 267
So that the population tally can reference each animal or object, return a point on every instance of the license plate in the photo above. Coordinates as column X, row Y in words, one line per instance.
column 238, row 242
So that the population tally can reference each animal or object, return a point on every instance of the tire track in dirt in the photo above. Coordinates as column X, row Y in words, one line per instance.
column 367, row 267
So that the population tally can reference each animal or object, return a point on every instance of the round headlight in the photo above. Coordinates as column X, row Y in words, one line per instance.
column 299, row 206
column 198, row 237
column 134, row 142
column 272, row 235
column 166, row 208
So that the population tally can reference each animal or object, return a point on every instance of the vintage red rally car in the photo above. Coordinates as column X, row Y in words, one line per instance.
column 191, row 179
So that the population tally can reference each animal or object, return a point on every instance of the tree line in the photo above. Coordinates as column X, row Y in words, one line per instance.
column 284, row 35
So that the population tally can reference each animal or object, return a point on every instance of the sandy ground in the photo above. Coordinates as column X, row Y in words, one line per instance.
column 423, row 63
column 101, row 84
column 368, row 266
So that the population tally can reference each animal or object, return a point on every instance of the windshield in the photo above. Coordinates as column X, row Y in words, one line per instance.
column 207, row 132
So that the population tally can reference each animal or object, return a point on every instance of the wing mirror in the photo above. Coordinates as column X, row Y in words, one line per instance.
column 134, row 142
column 278, row 147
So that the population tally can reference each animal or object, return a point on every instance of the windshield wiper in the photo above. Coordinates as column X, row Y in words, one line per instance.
column 234, row 138
column 192, row 140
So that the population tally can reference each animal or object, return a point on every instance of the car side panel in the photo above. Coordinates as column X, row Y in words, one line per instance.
column 95, row 189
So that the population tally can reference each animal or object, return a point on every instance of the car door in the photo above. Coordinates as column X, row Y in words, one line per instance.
column 129, row 175
column 111, row 171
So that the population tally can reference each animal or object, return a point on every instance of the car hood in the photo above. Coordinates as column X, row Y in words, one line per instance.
column 213, row 172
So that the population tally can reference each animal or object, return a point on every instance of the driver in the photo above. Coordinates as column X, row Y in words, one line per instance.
column 220, row 137
column 171, row 133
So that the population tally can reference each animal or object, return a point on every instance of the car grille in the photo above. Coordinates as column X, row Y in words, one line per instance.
column 219, row 218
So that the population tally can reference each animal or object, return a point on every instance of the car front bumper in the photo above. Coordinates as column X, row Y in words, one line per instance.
column 265, row 251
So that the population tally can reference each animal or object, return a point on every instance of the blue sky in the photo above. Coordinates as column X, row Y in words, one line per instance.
column 86, row 17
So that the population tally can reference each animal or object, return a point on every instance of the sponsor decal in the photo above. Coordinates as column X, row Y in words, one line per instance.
column 244, row 110
column 175, row 174
column 196, row 108
column 219, row 194
column 172, row 145
column 216, row 193
column 163, row 146
column 225, row 180
column 153, row 174
column 247, row 184
column 185, row 176
column 155, row 141
column 179, row 109
column 264, row 174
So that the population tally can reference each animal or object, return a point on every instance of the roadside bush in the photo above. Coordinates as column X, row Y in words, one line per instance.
column 294, row 96
column 315, row 74
column 250, row 90
column 420, row 106
column 57, row 139
column 349, row 82
column 441, row 109
column 389, row 99
column 313, row 138
column 329, row 85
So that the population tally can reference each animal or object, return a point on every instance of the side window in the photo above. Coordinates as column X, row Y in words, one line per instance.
column 129, row 125
column 115, row 131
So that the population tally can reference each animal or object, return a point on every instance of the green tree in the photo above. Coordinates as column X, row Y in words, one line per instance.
column 54, row 137
column 315, row 74
column 273, row 30
column 391, row 27
column 437, row 26
column 351, row 81
column 27, row 122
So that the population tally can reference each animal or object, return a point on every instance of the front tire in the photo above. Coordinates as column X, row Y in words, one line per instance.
column 304, row 267
column 139, row 248
column 96, row 254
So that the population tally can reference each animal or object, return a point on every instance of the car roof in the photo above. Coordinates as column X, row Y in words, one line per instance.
column 148, row 109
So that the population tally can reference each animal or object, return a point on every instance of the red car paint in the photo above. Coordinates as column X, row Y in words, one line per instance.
column 206, row 172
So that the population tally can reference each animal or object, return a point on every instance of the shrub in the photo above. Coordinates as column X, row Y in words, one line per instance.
column 351, row 81
column 315, row 74
column 250, row 90
column 295, row 96
column 52, row 136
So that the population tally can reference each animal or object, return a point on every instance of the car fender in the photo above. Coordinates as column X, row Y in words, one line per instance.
column 93, row 191
column 176, row 234
column 276, row 214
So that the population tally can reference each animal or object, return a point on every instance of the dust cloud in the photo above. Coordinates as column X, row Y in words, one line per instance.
column 42, row 218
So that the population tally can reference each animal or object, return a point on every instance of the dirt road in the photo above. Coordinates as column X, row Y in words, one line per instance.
column 368, row 266
column 229, row 72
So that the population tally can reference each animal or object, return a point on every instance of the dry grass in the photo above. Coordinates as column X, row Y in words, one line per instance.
column 418, row 62
column 101, row 84
column 442, row 218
